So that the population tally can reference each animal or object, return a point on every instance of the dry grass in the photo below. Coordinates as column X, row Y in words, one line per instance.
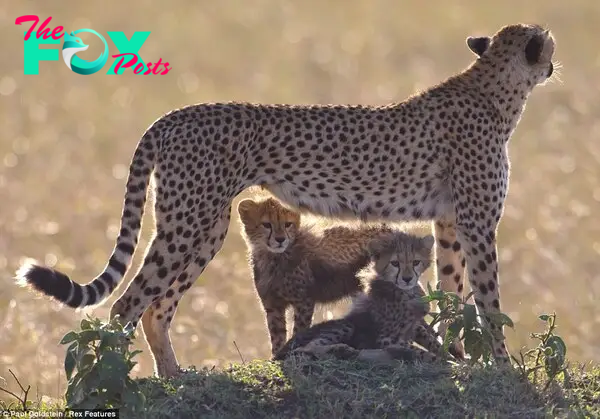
column 66, row 141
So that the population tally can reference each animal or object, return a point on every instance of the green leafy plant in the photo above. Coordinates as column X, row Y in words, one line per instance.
column 463, row 317
column 549, row 355
column 97, row 365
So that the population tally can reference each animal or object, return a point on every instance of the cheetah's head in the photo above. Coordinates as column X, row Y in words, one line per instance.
column 401, row 258
column 268, row 224
column 522, row 51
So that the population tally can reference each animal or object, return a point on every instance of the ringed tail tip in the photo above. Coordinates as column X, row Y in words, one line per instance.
column 47, row 281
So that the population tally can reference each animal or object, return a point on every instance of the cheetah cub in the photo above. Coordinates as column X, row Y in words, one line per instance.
column 298, row 266
column 389, row 316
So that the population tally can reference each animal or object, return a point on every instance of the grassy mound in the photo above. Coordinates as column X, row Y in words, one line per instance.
column 342, row 389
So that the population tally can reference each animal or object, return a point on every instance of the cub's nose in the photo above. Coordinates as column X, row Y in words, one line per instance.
column 279, row 239
column 407, row 279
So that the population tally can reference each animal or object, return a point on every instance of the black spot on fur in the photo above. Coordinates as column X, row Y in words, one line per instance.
column 448, row 270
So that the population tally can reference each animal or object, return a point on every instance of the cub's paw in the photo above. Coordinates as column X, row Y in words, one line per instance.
column 303, row 352
column 418, row 307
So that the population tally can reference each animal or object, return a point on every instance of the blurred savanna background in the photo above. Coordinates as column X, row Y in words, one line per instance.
column 66, row 141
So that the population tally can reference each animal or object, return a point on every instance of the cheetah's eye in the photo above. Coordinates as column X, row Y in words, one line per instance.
column 416, row 263
column 395, row 263
column 288, row 224
column 266, row 225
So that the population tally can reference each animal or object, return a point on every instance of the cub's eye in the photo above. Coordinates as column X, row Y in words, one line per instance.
column 288, row 224
column 416, row 263
column 395, row 263
column 266, row 225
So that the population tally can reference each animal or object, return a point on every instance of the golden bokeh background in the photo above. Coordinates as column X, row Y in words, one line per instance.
column 66, row 141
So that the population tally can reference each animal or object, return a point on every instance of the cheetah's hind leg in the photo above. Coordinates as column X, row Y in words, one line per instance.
column 450, row 269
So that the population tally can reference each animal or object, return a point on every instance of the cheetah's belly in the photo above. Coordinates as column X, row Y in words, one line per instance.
column 429, row 200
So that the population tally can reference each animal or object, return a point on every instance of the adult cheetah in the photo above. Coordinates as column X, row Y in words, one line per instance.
column 439, row 155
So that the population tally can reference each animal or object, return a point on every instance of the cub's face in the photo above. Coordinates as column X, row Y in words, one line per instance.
column 402, row 259
column 268, row 224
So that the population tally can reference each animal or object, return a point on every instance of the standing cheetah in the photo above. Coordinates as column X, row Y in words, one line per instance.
column 439, row 155
column 300, row 265
column 391, row 313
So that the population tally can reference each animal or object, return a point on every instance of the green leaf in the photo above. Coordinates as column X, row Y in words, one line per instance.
column 552, row 365
column 86, row 324
column 470, row 316
column 487, row 336
column 87, row 336
column 544, row 317
column 76, row 390
column 429, row 289
column 128, row 329
column 81, row 352
column 115, row 362
column 73, row 348
column 474, row 344
column 69, row 337
column 556, row 359
column 86, row 362
column 557, row 344
column 109, row 340
column 427, row 298
column 455, row 300
column 487, row 355
column 435, row 295
column 469, row 295
column 501, row 319
column 452, row 333
column 69, row 364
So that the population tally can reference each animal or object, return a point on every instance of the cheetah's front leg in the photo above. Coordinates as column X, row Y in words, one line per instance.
column 303, row 315
column 276, row 324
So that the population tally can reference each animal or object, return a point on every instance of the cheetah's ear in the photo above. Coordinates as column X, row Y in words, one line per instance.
column 428, row 242
column 478, row 45
column 533, row 50
column 380, row 245
column 246, row 209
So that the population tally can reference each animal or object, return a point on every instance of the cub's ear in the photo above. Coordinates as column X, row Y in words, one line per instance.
column 478, row 45
column 428, row 242
column 380, row 245
column 246, row 209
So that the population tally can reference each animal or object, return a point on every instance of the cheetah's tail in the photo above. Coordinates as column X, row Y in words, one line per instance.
column 60, row 287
